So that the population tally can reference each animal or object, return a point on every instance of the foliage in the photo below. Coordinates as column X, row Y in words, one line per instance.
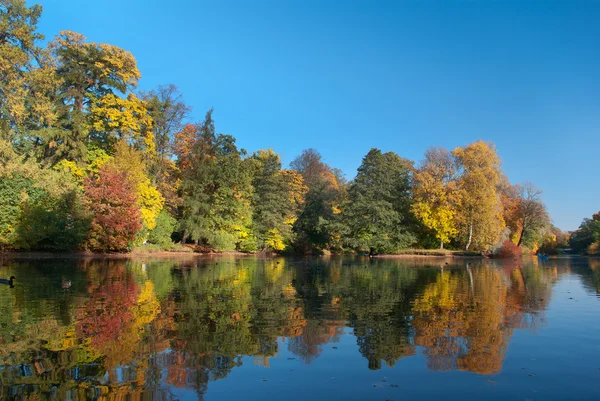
column 166, row 225
column 112, row 201
column 480, row 218
column 53, row 224
column 508, row 250
column 276, row 197
column 585, row 239
column 148, row 198
column 377, row 215
column 216, row 187
column 435, row 194
column 316, row 226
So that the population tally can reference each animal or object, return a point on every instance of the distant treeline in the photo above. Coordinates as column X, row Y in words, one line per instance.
column 586, row 239
column 88, row 162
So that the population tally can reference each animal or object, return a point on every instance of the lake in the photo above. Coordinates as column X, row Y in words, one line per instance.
column 249, row 328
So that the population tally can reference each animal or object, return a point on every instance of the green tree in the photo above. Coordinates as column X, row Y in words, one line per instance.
column 586, row 239
column 217, row 190
column 532, row 215
column 316, row 227
column 378, row 214
column 271, row 203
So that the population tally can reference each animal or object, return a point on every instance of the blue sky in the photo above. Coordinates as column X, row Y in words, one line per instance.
column 343, row 77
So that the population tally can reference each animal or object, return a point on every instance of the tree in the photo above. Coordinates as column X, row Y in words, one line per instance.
column 315, row 226
column 19, row 54
column 586, row 239
column 91, row 76
column 271, row 202
column 378, row 212
column 168, row 111
column 216, row 187
column 479, row 211
column 435, row 194
column 116, row 219
column 532, row 213
column 150, row 201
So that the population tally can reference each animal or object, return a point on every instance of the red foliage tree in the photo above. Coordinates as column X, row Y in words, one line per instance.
column 116, row 218
column 508, row 250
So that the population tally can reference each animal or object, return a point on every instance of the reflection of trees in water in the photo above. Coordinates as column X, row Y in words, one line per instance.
column 465, row 318
column 123, row 330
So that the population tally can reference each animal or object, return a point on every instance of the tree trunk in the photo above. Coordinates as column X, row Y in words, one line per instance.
column 184, row 237
column 521, row 236
column 470, row 234
column 441, row 244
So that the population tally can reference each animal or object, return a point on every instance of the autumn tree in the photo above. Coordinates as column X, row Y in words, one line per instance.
column 435, row 194
column 149, row 200
column 116, row 218
column 479, row 211
column 378, row 214
column 92, row 79
column 18, row 53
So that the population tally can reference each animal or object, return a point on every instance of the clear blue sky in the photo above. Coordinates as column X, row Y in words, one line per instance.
column 401, row 76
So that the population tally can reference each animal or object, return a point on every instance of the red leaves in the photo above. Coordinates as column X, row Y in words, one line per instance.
column 508, row 250
column 111, row 199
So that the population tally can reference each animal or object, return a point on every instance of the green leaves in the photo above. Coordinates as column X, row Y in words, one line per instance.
column 378, row 212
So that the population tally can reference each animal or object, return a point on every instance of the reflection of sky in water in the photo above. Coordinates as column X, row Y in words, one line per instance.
column 319, row 329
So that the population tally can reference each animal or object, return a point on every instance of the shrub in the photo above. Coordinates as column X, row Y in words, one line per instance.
column 508, row 250
column 53, row 224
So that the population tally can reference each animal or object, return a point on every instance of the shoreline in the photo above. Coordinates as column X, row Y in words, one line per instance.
column 33, row 255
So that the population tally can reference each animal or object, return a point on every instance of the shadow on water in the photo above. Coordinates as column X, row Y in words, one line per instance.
column 105, row 329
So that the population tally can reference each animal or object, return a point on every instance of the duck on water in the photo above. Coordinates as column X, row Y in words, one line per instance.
column 10, row 281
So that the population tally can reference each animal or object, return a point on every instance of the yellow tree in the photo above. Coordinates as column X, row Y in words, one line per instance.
column 435, row 195
column 115, row 118
column 479, row 212
column 92, row 78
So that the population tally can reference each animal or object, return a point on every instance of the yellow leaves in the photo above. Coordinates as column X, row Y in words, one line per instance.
column 149, row 199
column 274, row 240
column 151, row 203
column 72, row 168
column 297, row 188
column 439, row 219
column 109, row 61
column 435, row 195
column 480, row 203
column 124, row 119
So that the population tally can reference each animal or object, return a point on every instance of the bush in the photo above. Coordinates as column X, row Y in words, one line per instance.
column 508, row 250
column 53, row 224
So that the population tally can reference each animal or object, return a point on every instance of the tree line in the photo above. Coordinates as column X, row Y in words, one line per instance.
column 87, row 161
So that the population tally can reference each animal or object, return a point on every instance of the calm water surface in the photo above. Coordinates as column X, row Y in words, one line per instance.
column 300, row 329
